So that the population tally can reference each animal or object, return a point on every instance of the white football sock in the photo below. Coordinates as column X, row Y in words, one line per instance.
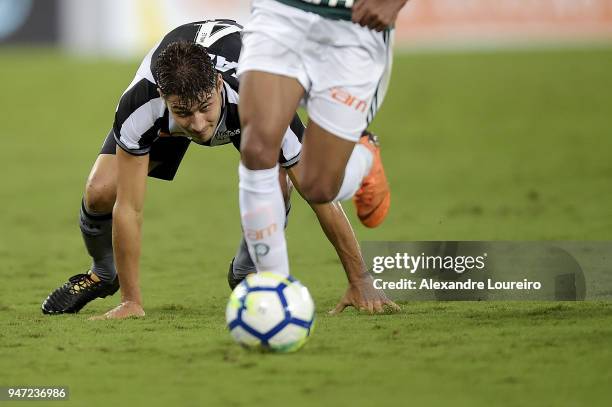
column 262, row 213
column 357, row 167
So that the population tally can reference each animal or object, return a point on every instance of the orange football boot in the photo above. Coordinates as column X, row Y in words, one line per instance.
column 373, row 199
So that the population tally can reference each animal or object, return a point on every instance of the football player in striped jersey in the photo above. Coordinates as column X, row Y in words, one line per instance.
column 184, row 91
column 334, row 57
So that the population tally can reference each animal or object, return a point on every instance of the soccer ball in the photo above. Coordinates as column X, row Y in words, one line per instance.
column 269, row 312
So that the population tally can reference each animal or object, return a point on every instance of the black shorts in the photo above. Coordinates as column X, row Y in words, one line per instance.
column 167, row 151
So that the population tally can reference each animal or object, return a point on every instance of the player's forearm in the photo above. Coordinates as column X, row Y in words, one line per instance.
column 340, row 233
column 127, row 224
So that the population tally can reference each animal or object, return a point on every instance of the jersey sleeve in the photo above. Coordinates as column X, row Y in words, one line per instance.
column 291, row 147
column 139, row 117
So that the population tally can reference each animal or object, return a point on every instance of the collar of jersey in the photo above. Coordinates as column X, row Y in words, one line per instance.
column 223, row 114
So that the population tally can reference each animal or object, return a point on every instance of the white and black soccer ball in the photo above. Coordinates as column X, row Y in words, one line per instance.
column 270, row 312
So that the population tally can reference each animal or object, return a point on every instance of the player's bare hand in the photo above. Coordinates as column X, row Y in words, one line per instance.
column 362, row 295
column 375, row 14
column 126, row 309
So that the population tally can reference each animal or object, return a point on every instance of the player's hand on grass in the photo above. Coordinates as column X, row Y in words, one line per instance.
column 362, row 295
column 126, row 309
column 375, row 14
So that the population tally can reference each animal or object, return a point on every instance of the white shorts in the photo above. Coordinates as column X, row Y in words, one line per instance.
column 343, row 67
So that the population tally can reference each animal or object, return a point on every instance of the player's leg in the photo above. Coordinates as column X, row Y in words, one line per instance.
column 373, row 198
column 96, row 216
column 324, row 159
column 242, row 265
column 100, row 195
column 95, row 221
column 340, row 107
column 331, row 176
column 272, row 82
column 267, row 105
column 337, row 169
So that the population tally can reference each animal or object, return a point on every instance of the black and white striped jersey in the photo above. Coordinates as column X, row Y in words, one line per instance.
column 142, row 114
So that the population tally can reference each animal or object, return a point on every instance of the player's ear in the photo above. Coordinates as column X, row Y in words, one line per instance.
column 160, row 93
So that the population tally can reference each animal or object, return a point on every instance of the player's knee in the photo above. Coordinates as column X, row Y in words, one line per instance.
column 99, row 198
column 317, row 192
column 258, row 156
column 259, row 148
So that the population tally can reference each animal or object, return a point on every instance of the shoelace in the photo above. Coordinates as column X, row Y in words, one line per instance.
column 84, row 283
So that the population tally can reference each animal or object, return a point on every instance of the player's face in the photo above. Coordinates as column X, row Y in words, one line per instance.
column 198, row 120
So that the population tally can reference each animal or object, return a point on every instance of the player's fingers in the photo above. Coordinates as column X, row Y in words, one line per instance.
column 357, row 13
column 368, row 21
column 362, row 17
column 359, row 6
column 380, row 27
column 378, row 307
column 370, row 308
column 123, row 315
column 339, row 308
column 355, row 16
column 127, row 314
column 372, row 19
column 133, row 311
column 392, row 305
column 360, row 306
column 361, row 21
column 107, row 315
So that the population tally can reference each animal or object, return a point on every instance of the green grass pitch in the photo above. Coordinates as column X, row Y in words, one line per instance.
column 509, row 145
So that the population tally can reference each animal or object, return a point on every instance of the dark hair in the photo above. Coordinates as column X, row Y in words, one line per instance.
column 186, row 70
